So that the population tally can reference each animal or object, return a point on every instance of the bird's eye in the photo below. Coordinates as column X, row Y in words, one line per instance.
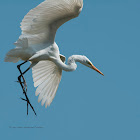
column 88, row 63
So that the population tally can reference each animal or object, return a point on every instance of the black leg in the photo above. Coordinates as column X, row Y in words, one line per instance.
column 25, row 85
column 27, row 108
column 27, row 100
column 24, row 82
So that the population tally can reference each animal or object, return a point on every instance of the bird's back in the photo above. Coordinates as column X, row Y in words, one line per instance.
column 39, row 27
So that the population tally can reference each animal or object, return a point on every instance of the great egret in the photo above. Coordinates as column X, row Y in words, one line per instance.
column 37, row 45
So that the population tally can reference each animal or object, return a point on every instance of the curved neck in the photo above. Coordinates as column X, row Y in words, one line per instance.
column 71, row 66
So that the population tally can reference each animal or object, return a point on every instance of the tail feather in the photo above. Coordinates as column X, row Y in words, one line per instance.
column 11, row 59
column 15, row 54
column 21, row 43
column 11, row 56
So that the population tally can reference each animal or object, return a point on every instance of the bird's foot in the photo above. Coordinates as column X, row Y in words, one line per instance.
column 24, row 85
column 23, row 99
column 26, row 100
column 28, row 103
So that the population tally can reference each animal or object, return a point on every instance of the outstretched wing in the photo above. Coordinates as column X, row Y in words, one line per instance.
column 41, row 23
column 46, row 77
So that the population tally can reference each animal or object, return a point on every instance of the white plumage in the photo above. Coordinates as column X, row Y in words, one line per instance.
column 37, row 45
column 46, row 77
column 41, row 23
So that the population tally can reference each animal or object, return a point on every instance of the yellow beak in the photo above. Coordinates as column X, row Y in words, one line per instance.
column 93, row 67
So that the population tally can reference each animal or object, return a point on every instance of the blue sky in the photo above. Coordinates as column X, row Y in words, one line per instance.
column 87, row 105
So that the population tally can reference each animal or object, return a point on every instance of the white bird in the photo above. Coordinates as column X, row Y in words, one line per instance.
column 37, row 45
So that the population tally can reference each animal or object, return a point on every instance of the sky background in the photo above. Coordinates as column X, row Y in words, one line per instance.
column 87, row 105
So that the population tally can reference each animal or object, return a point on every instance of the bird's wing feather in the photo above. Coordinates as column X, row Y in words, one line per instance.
column 41, row 23
column 46, row 77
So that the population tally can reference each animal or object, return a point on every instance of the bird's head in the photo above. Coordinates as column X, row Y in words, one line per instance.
column 85, row 61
